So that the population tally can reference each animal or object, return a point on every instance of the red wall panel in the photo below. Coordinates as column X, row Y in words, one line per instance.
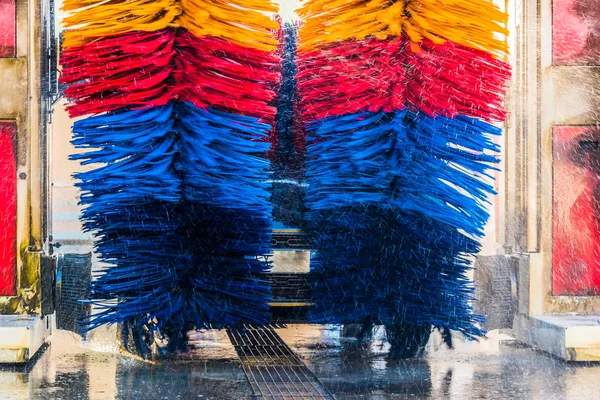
column 576, row 32
column 8, row 208
column 576, row 211
column 7, row 28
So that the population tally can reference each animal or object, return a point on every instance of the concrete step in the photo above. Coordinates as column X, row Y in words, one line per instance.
column 570, row 337
column 21, row 336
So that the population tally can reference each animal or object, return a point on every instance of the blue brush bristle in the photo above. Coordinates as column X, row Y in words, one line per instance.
column 392, row 230
column 180, row 213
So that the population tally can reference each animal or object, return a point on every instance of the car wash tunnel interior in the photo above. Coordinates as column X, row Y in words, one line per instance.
column 286, row 194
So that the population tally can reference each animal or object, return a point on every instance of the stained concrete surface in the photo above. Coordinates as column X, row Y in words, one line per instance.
column 496, row 368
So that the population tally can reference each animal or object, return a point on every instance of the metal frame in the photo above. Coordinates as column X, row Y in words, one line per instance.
column 273, row 370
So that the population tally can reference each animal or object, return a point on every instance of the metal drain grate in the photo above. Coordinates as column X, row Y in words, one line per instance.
column 274, row 371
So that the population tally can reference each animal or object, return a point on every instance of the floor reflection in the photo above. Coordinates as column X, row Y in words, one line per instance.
column 496, row 368
column 73, row 370
column 54, row 376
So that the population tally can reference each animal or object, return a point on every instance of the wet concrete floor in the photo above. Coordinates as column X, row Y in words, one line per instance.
column 496, row 368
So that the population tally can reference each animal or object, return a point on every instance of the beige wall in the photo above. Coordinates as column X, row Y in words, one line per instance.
column 66, row 227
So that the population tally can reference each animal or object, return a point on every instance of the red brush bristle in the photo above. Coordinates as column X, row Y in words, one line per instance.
column 125, row 71
column 388, row 75
column 351, row 76
column 214, row 72
column 148, row 69
column 450, row 79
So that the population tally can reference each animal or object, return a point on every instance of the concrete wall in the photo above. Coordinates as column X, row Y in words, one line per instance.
column 542, row 96
column 20, row 102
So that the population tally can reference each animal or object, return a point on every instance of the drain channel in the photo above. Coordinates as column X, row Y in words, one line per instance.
column 273, row 370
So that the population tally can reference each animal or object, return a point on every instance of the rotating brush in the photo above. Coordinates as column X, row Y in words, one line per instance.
column 401, row 101
column 177, row 98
